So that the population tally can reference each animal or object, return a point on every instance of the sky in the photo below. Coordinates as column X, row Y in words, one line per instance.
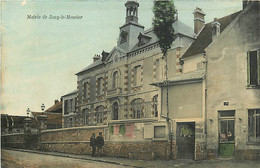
column 40, row 57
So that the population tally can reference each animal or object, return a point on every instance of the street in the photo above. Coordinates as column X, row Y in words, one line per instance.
column 16, row 159
column 38, row 159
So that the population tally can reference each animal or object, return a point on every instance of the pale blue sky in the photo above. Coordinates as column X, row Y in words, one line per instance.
column 40, row 57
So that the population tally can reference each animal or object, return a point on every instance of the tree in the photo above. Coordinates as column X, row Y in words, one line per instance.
column 164, row 17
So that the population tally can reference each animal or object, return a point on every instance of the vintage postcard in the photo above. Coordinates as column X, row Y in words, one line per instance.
column 130, row 83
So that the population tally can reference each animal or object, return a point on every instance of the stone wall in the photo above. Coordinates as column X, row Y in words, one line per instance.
column 13, row 140
column 76, row 141
column 19, row 141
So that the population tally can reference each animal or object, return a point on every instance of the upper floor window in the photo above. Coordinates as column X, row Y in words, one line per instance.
column 137, row 75
column 115, row 80
column 85, row 90
column 66, row 107
column 99, row 86
column 158, row 69
column 254, row 125
column 253, row 76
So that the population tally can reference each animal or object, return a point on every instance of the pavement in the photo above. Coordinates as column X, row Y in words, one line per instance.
column 219, row 163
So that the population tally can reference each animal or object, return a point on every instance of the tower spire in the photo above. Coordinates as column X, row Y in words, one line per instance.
column 132, row 11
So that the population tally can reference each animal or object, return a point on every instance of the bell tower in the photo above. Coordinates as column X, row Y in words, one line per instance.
column 131, row 11
column 130, row 30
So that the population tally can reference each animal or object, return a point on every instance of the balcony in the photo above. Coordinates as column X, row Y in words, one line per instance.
column 114, row 92
column 133, row 112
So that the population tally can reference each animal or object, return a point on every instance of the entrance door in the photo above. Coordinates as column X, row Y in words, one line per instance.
column 226, row 133
column 186, row 140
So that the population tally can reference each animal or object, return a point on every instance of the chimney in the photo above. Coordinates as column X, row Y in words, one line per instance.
column 215, row 29
column 96, row 57
column 198, row 20
column 56, row 101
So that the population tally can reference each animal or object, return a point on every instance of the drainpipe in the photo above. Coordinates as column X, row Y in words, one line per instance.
column 167, row 104
column 206, row 91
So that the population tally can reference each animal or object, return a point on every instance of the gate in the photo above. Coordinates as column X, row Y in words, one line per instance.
column 186, row 140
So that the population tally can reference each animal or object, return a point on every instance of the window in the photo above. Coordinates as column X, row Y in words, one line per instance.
column 99, row 86
column 253, row 68
column 137, row 108
column 157, row 69
column 155, row 105
column 159, row 132
column 115, row 111
column 115, row 80
column 66, row 110
column 123, row 36
column 99, row 114
column 85, row 90
column 254, row 125
column 226, row 126
column 137, row 75
column 71, row 122
column 86, row 114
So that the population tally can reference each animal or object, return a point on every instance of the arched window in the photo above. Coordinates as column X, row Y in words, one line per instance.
column 137, row 108
column 115, row 80
column 99, row 114
column 155, row 105
column 115, row 111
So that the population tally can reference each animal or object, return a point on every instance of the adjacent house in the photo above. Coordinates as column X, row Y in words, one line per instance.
column 15, row 124
column 214, row 104
column 69, row 110
column 53, row 116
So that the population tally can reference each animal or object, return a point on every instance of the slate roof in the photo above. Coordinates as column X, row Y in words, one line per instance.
column 70, row 93
column 179, row 28
column 205, row 37
column 52, row 118
column 184, row 77
column 55, row 108
column 94, row 64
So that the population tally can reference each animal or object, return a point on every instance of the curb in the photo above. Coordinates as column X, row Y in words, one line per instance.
column 73, row 157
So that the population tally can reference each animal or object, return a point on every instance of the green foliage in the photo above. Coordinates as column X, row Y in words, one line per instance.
column 164, row 11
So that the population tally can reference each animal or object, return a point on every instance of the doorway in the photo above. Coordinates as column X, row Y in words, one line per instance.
column 186, row 140
column 226, row 133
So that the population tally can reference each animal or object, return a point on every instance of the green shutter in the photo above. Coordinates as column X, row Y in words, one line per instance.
column 248, row 68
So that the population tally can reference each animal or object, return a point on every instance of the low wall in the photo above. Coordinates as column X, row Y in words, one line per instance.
column 20, row 141
column 76, row 141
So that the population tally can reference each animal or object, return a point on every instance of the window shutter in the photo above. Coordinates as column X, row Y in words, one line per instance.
column 248, row 68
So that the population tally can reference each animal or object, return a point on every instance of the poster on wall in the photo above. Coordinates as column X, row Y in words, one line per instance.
column 129, row 130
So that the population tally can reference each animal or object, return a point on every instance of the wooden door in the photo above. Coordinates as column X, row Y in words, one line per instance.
column 186, row 140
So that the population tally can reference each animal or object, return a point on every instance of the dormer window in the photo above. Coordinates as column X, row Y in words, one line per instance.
column 123, row 36
column 142, row 39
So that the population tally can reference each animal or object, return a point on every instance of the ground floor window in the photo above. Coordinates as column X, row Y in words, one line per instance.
column 99, row 115
column 159, row 132
column 254, row 125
